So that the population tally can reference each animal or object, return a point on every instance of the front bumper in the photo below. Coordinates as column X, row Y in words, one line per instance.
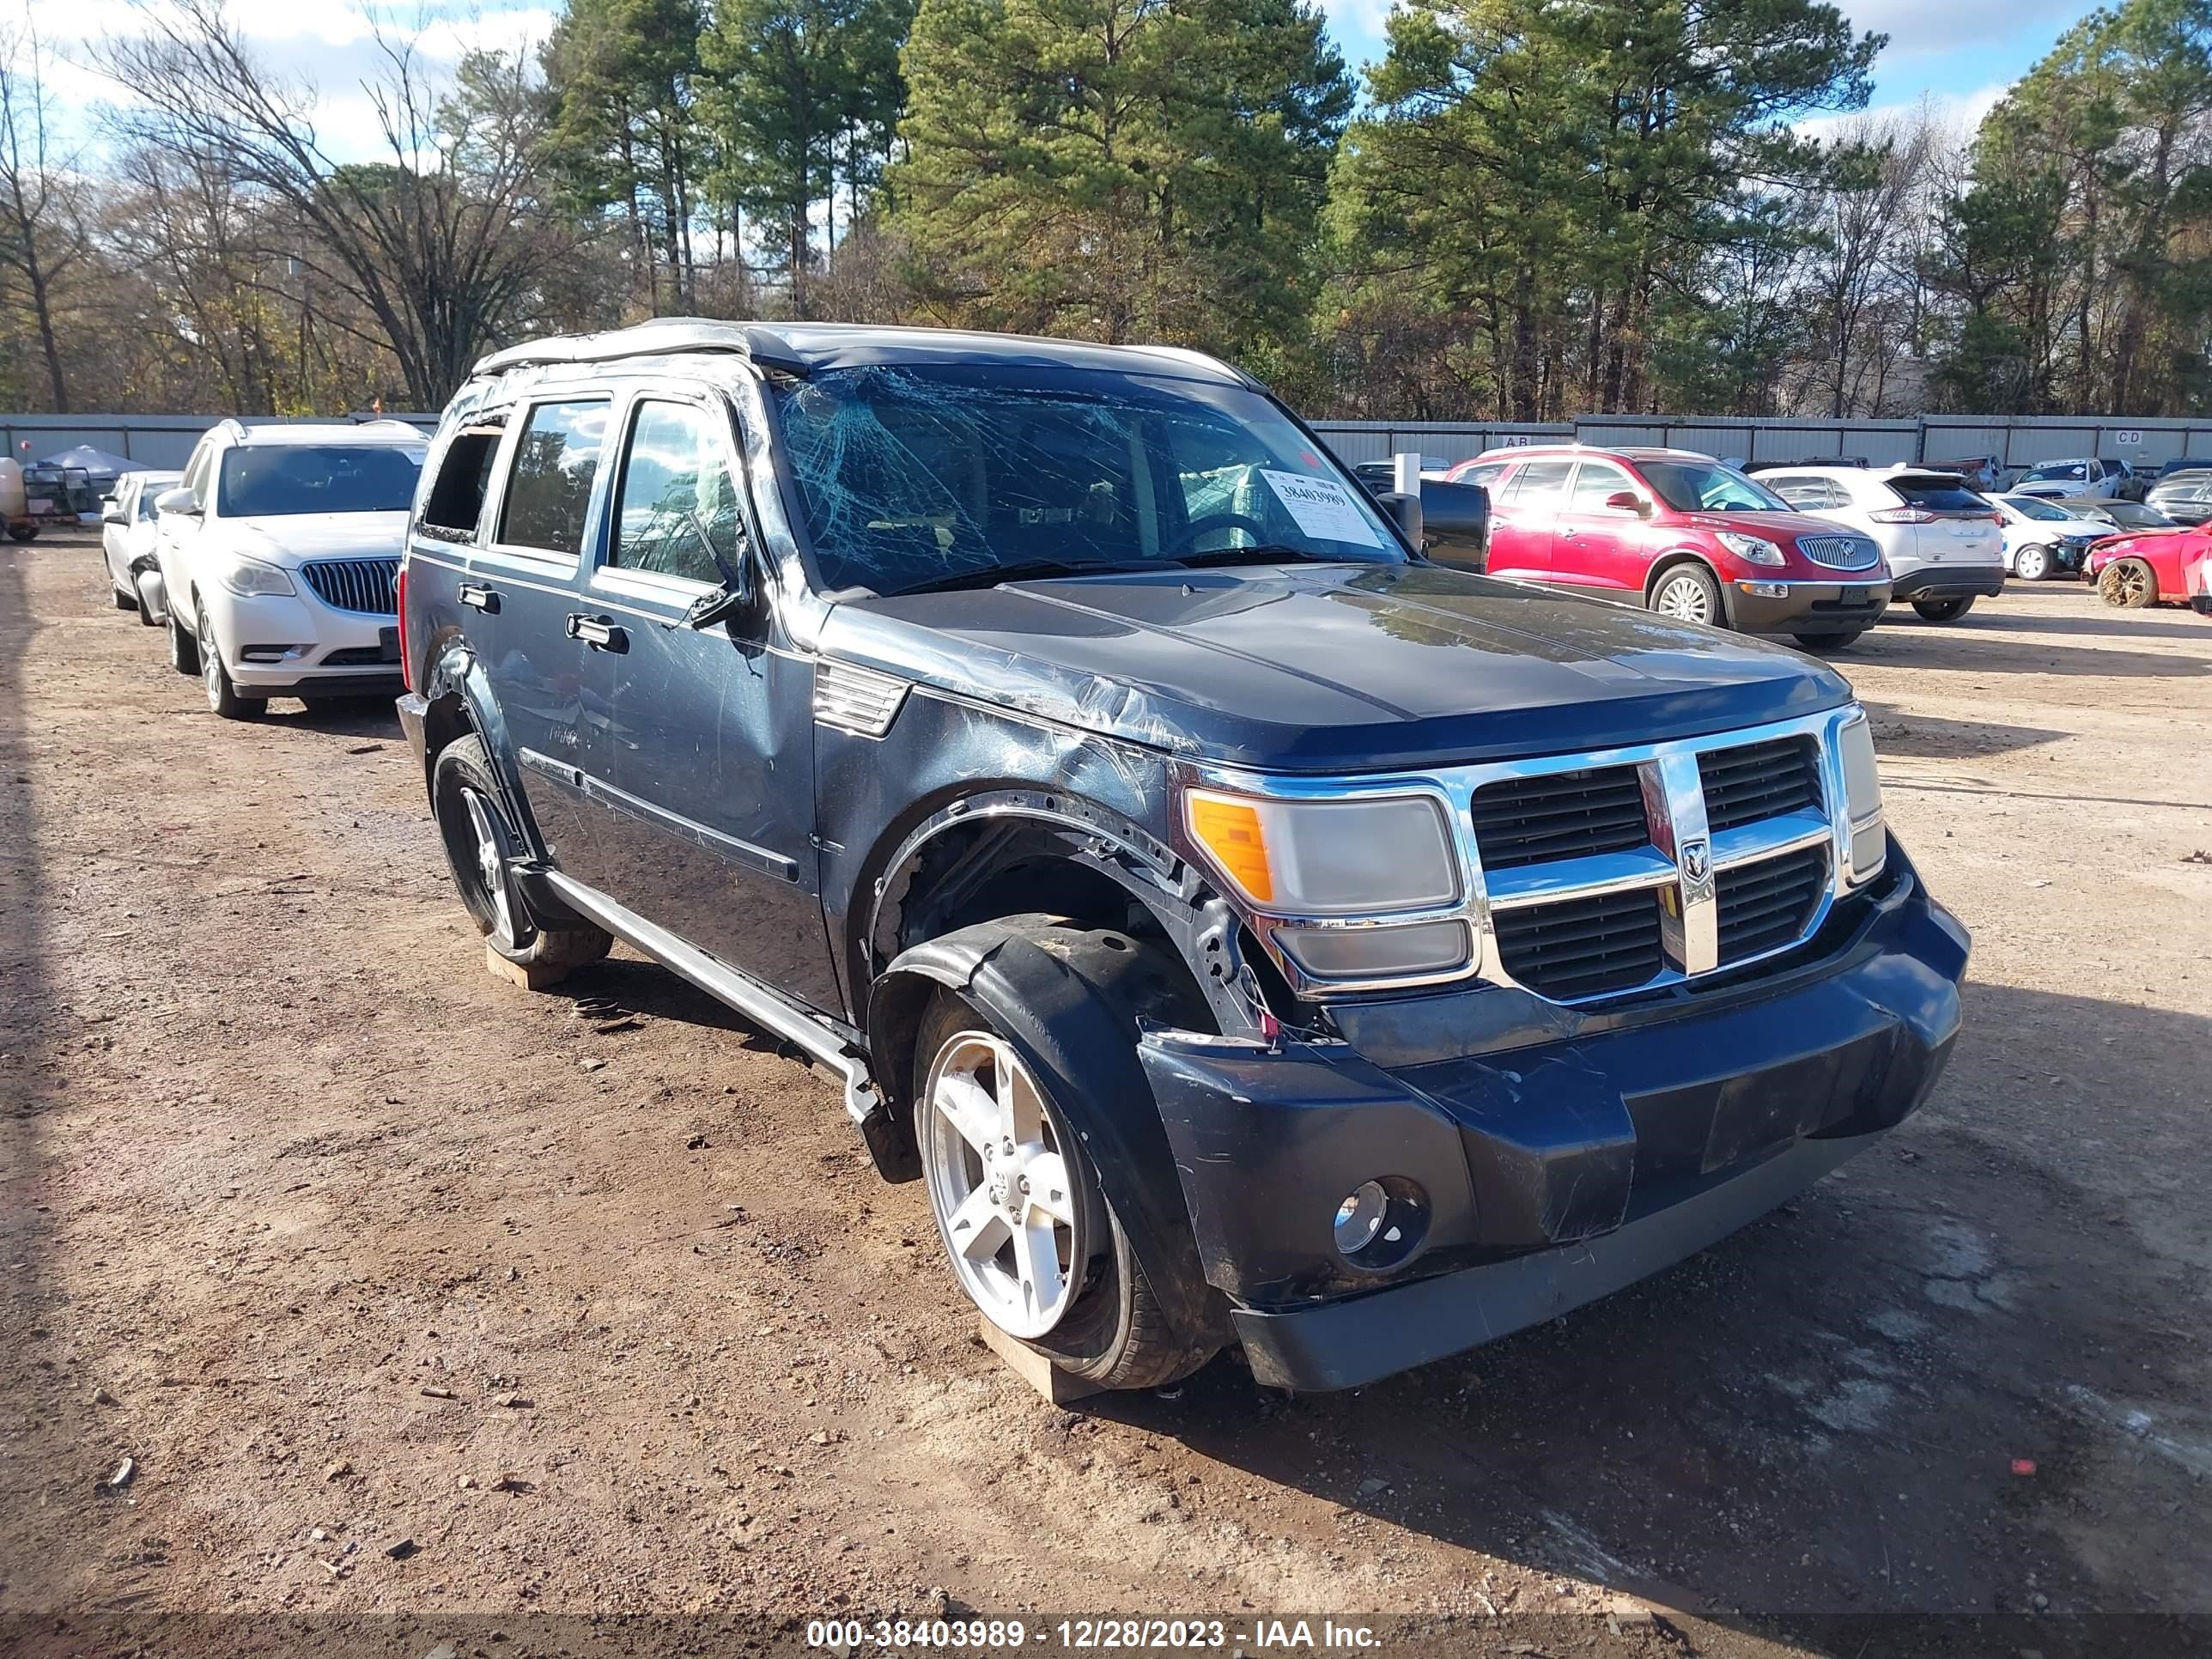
column 1562, row 1153
column 1803, row 607
column 1949, row 582
column 329, row 653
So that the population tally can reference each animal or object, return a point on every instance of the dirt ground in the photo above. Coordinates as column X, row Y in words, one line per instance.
column 594, row 1300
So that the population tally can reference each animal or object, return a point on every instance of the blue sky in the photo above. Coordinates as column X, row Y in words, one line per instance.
column 1961, row 56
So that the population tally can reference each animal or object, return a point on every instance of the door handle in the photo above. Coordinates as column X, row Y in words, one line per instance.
column 477, row 596
column 598, row 633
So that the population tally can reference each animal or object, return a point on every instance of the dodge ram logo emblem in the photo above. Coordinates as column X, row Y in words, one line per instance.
column 1697, row 858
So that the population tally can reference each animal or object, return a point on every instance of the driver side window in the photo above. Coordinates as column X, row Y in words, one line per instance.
column 676, row 504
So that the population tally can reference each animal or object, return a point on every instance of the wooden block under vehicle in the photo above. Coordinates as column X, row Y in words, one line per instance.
column 1034, row 1369
column 531, row 976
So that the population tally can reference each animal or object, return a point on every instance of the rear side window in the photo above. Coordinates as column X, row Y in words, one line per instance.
column 1485, row 475
column 1807, row 495
column 678, row 508
column 549, row 490
column 1936, row 494
column 456, row 497
column 1540, row 485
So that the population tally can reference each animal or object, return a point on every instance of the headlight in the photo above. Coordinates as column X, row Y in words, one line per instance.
column 1756, row 549
column 1328, row 858
column 249, row 577
column 1862, row 799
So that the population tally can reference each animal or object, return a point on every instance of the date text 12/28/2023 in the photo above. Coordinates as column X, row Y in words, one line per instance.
column 851, row 1635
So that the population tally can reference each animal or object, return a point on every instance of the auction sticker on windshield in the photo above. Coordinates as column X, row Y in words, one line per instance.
column 1323, row 509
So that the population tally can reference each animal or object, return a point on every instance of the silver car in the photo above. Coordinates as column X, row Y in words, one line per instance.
column 1941, row 541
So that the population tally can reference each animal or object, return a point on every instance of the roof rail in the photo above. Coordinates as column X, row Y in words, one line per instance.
column 655, row 338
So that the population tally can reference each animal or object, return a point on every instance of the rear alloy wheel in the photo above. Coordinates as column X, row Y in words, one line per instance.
column 2130, row 584
column 480, row 850
column 1943, row 611
column 223, row 698
column 1687, row 594
column 2032, row 563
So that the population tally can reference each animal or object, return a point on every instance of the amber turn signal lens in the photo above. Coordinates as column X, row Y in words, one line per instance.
column 1230, row 829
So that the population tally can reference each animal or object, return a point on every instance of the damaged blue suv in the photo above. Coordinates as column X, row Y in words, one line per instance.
column 1248, row 931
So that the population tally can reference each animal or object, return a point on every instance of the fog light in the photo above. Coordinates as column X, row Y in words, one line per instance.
column 1382, row 1225
column 1360, row 1217
column 1765, row 590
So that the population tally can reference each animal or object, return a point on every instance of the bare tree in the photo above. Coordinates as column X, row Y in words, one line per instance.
column 1861, row 274
column 440, row 245
column 43, row 236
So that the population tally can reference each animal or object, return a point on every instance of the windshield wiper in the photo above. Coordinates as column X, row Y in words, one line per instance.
column 991, row 575
column 1271, row 553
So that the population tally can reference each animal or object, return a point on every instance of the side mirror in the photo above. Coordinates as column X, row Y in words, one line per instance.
column 1627, row 500
column 734, row 595
column 1456, row 524
column 180, row 501
column 1405, row 510
column 111, row 513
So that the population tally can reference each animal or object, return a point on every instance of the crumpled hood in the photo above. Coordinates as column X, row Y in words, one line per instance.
column 1333, row 667
column 292, row 538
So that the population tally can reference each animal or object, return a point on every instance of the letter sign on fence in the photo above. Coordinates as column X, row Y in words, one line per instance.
column 2127, row 439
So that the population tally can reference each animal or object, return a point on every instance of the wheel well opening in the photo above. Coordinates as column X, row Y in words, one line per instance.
column 988, row 871
column 1669, row 562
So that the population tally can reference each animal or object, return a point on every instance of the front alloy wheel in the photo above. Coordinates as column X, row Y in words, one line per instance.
column 1012, row 1217
column 222, row 697
column 1687, row 594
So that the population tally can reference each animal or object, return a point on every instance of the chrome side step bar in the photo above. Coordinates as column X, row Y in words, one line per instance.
column 726, row 984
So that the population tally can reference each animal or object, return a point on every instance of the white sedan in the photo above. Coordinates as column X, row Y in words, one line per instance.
column 126, row 542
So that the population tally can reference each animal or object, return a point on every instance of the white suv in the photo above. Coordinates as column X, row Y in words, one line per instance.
column 279, row 552
column 1941, row 541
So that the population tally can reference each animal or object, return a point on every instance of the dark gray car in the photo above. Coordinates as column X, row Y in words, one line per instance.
column 1248, row 931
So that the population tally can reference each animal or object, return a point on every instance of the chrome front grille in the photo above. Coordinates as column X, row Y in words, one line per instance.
column 1757, row 780
column 1606, row 873
column 1840, row 552
column 1767, row 905
column 1559, row 815
column 368, row 586
column 1584, row 947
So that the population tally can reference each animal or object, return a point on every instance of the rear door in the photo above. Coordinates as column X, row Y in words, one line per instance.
column 711, row 729
column 551, row 684
column 1522, row 517
column 1593, row 545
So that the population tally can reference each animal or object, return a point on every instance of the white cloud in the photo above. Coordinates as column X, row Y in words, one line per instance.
column 1915, row 27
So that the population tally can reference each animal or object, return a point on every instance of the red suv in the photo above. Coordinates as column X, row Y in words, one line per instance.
column 1681, row 533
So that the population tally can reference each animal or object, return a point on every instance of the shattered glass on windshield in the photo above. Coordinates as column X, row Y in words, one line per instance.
column 916, row 475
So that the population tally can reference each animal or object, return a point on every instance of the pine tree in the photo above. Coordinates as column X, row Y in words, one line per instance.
column 1120, row 170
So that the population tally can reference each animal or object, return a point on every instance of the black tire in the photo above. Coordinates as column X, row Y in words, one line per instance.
column 1830, row 641
column 28, row 532
column 224, row 699
column 2034, row 563
column 1943, row 611
column 184, row 645
column 1688, row 584
column 1116, row 1334
column 2130, row 584
column 123, row 601
column 463, row 769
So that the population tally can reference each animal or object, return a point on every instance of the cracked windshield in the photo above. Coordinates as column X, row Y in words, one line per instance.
column 916, row 478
